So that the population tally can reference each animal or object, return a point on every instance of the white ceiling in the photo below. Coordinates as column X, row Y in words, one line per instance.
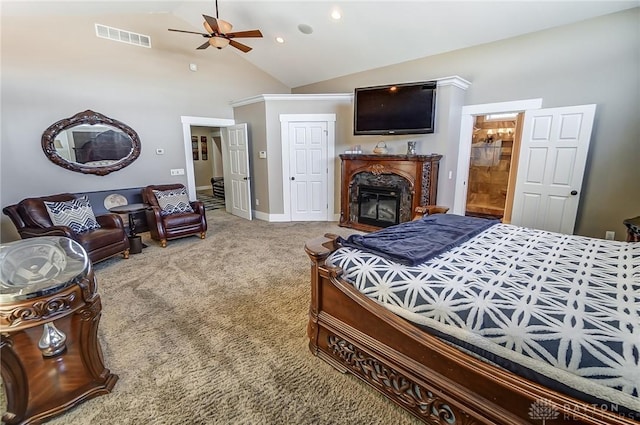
column 370, row 34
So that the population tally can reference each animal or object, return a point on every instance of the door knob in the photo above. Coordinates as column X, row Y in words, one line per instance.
column 574, row 192
column 293, row 178
column 245, row 178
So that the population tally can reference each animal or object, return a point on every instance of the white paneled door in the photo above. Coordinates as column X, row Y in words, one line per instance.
column 308, row 170
column 553, row 154
column 235, row 158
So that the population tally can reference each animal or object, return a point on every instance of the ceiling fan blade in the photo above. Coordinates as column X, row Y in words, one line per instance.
column 242, row 34
column 190, row 32
column 210, row 24
column 220, row 35
column 204, row 46
column 240, row 46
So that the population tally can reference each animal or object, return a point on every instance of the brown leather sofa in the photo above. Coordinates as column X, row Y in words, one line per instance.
column 31, row 218
column 177, row 225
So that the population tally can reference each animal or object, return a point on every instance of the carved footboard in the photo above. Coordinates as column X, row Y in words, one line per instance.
column 436, row 382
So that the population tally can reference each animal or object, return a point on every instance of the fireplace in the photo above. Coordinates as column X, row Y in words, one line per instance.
column 381, row 184
column 381, row 190
column 378, row 206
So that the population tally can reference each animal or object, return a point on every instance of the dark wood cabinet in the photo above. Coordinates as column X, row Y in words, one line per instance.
column 44, row 376
column 414, row 177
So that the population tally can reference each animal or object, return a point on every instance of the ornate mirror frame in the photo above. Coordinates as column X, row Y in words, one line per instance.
column 91, row 118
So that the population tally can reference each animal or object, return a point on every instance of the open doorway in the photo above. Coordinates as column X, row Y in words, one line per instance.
column 492, row 165
column 206, row 145
column 467, row 125
column 235, row 154
column 547, row 180
column 187, row 123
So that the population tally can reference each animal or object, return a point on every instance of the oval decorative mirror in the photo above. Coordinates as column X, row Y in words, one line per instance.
column 91, row 143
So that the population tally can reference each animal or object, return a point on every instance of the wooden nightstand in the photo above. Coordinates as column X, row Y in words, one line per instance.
column 49, row 368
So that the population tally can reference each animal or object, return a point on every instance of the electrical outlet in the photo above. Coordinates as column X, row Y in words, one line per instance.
column 257, row 202
column 177, row 171
column 610, row 235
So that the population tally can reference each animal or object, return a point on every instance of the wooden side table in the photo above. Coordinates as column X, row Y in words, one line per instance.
column 135, row 241
column 50, row 356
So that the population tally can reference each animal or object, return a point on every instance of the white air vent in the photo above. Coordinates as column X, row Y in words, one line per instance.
column 123, row 36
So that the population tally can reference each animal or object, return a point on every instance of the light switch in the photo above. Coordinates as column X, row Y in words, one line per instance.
column 262, row 154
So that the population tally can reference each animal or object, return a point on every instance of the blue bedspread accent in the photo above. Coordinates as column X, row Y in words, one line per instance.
column 415, row 242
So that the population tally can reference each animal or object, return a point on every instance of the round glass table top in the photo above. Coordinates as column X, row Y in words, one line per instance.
column 35, row 267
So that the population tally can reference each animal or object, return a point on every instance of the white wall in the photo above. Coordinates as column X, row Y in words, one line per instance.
column 263, row 119
column 595, row 61
column 50, row 75
column 262, row 115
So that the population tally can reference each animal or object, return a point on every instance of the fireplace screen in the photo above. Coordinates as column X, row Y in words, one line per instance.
column 378, row 206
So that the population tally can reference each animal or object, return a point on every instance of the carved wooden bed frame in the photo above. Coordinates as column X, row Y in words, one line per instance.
column 427, row 377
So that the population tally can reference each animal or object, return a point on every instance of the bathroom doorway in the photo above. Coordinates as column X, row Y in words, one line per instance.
column 495, row 145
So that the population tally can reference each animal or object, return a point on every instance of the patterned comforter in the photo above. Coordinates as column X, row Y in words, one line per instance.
column 560, row 309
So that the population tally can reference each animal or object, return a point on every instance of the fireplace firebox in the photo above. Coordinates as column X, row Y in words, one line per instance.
column 381, row 190
column 379, row 206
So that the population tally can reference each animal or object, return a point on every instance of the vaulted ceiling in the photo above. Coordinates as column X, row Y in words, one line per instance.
column 316, row 47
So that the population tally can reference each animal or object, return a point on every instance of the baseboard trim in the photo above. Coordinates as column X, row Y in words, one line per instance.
column 283, row 218
column 272, row 218
column 260, row 215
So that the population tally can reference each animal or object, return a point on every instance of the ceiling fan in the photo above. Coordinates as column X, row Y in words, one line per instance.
column 219, row 33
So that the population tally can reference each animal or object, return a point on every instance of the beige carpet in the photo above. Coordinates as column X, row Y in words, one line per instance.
column 214, row 332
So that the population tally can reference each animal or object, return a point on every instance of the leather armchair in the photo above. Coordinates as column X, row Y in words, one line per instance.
column 177, row 225
column 31, row 218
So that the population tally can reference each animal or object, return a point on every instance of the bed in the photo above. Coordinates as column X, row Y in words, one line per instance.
column 445, row 362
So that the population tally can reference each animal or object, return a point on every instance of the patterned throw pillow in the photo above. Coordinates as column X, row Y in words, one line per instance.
column 76, row 214
column 173, row 201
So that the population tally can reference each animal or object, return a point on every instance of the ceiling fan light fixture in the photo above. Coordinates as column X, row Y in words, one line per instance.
column 219, row 34
column 224, row 26
column 219, row 42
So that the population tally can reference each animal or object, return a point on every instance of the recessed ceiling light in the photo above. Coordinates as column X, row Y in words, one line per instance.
column 305, row 29
column 279, row 40
column 335, row 14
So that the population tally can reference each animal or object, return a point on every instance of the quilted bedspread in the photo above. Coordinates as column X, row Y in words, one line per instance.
column 550, row 306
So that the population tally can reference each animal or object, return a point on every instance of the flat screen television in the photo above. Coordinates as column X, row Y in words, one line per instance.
column 395, row 109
